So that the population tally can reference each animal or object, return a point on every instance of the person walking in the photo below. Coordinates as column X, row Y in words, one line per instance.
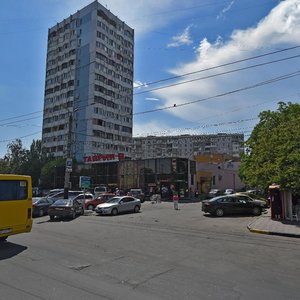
column 175, row 200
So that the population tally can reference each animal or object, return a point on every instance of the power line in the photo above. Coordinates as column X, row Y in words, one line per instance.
column 190, row 73
column 218, row 66
column 218, row 74
column 275, row 79
column 21, row 137
column 283, row 77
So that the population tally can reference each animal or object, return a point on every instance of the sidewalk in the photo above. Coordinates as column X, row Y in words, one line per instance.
column 266, row 225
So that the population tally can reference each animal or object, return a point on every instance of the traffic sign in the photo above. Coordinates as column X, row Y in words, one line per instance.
column 69, row 165
column 84, row 182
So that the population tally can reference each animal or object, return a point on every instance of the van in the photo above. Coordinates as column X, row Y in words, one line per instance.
column 137, row 193
column 98, row 190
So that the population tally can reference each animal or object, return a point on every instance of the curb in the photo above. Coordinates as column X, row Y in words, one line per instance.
column 293, row 235
column 259, row 231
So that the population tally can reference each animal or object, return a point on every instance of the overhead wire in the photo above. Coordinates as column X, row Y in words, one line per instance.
column 191, row 73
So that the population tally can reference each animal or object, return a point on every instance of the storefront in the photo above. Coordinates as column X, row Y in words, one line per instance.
column 284, row 204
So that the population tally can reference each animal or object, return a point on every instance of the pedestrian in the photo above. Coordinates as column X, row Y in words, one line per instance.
column 175, row 200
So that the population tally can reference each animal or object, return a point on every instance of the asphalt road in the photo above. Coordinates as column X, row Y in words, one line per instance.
column 158, row 253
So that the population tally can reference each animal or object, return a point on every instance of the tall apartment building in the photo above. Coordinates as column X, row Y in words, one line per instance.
column 186, row 145
column 89, row 85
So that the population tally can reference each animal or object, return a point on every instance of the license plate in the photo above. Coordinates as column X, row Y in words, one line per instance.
column 4, row 231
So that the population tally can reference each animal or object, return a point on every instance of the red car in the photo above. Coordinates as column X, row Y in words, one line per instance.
column 91, row 204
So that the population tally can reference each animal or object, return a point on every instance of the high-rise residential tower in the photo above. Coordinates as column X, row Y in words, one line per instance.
column 89, row 86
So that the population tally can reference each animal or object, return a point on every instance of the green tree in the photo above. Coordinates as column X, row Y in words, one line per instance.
column 274, row 150
column 49, row 172
column 35, row 159
column 16, row 157
column 4, row 169
column 19, row 160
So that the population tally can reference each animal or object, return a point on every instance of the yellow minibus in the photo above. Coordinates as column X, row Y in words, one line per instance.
column 15, row 205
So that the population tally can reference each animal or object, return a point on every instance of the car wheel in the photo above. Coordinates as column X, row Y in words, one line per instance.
column 136, row 209
column 219, row 212
column 90, row 207
column 114, row 212
column 41, row 213
column 51, row 218
column 3, row 238
column 256, row 211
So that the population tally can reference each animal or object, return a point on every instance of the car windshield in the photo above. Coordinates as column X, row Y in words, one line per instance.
column 35, row 200
column 114, row 200
column 63, row 202
column 215, row 199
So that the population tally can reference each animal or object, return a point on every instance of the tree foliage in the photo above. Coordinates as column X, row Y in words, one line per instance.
column 274, row 150
column 49, row 170
column 19, row 160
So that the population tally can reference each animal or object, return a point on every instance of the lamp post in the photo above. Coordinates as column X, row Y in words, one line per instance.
column 190, row 176
column 68, row 168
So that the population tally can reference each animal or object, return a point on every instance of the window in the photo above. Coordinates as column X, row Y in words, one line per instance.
column 13, row 190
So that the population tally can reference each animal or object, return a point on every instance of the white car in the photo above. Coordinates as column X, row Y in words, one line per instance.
column 229, row 192
column 117, row 205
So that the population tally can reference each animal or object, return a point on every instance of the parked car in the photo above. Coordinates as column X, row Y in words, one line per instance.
column 253, row 191
column 137, row 193
column 60, row 195
column 255, row 197
column 36, row 192
column 229, row 191
column 102, row 189
column 65, row 208
column 214, row 193
column 232, row 204
column 83, row 197
column 91, row 204
column 53, row 192
column 117, row 205
column 40, row 206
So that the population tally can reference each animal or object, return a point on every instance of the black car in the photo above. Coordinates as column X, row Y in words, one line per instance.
column 232, row 204
column 40, row 206
column 60, row 194
column 65, row 208
column 214, row 193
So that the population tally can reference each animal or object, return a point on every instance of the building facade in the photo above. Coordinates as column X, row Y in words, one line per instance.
column 89, row 85
column 217, row 171
column 186, row 146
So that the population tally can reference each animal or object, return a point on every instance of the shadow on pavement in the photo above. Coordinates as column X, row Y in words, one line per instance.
column 8, row 250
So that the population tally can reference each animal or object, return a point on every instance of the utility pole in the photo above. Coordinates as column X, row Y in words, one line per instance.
column 68, row 168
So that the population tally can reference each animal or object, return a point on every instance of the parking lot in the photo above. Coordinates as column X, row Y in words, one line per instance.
column 159, row 253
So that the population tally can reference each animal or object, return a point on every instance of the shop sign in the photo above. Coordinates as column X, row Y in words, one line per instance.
column 103, row 158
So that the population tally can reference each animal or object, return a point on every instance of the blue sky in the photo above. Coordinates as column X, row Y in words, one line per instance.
column 172, row 38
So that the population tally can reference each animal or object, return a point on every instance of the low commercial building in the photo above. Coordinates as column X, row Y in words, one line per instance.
column 217, row 171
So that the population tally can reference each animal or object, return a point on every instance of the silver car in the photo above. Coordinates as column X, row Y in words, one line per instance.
column 117, row 205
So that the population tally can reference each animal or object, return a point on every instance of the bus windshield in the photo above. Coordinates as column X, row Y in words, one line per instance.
column 15, row 204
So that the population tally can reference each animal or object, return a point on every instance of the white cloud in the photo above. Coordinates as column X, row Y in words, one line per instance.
column 182, row 39
column 147, row 128
column 152, row 99
column 142, row 15
column 279, row 30
column 225, row 10
column 138, row 84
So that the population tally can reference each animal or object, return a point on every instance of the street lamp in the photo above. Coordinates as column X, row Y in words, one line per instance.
column 190, row 176
column 68, row 168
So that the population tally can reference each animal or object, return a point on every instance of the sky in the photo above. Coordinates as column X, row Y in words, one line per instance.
column 200, row 66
